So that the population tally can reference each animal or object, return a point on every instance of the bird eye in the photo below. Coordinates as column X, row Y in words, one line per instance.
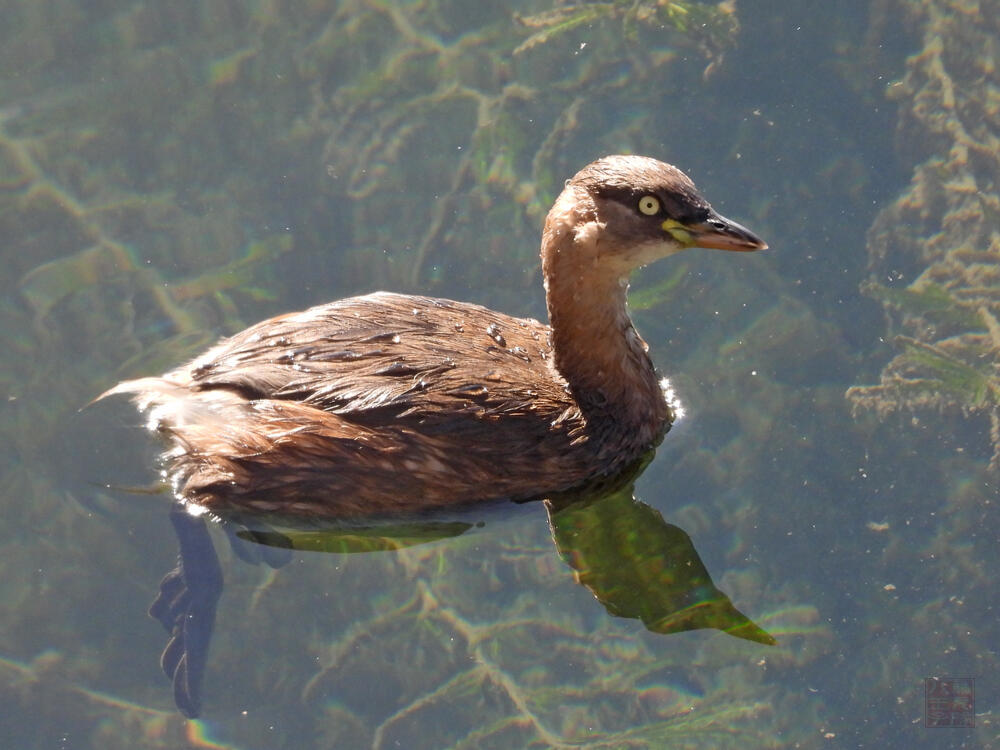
column 649, row 205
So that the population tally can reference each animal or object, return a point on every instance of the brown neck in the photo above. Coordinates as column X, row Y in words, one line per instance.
column 596, row 348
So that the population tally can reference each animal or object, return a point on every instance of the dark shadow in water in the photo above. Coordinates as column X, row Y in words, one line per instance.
column 635, row 563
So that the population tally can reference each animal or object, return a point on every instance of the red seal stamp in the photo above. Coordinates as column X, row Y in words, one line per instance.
column 949, row 702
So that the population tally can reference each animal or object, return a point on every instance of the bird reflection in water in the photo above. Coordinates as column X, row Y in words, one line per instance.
column 636, row 564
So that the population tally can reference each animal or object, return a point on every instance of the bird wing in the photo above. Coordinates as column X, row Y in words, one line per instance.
column 385, row 357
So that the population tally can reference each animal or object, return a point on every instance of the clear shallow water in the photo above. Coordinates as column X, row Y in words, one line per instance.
column 167, row 176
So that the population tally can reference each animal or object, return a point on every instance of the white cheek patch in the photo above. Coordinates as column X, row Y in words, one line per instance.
column 648, row 252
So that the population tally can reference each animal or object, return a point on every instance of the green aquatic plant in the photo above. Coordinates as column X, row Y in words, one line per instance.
column 936, row 376
column 930, row 301
column 950, row 371
column 713, row 25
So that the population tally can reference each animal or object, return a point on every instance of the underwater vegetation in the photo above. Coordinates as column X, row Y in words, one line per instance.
column 200, row 166
column 495, row 112
column 935, row 251
column 494, row 664
column 934, row 255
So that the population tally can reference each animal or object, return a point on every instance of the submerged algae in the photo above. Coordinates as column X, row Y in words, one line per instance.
column 136, row 213
column 935, row 260
column 942, row 229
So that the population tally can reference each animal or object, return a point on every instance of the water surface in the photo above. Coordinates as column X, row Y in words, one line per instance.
column 172, row 173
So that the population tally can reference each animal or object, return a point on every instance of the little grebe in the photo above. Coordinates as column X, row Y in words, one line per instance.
column 390, row 403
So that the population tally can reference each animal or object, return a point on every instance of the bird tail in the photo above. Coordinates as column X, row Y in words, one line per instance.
column 174, row 406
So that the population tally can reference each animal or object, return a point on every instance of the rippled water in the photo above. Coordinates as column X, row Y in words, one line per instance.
column 172, row 173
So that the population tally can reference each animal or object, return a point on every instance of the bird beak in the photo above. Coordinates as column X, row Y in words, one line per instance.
column 716, row 232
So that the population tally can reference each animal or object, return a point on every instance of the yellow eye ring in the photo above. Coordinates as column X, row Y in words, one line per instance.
column 649, row 205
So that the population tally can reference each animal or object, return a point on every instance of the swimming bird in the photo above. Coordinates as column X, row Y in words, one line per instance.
column 389, row 403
